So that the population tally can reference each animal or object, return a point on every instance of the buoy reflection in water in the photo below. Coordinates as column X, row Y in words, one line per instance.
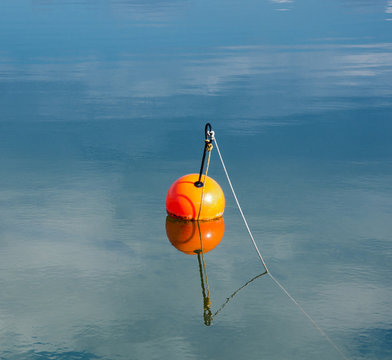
column 197, row 238
column 191, row 237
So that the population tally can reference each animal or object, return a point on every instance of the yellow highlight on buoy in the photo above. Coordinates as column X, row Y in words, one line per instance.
column 184, row 198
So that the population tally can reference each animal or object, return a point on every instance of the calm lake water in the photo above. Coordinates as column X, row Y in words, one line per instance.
column 103, row 105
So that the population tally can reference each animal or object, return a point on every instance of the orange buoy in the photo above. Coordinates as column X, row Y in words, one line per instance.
column 185, row 236
column 184, row 197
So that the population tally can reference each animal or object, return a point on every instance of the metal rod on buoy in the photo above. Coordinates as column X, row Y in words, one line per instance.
column 208, row 140
column 190, row 198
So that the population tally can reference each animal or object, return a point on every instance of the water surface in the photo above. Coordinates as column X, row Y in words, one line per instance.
column 103, row 106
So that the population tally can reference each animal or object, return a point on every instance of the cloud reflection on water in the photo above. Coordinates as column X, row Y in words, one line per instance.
column 388, row 10
column 151, row 12
column 91, row 272
column 283, row 4
column 319, row 76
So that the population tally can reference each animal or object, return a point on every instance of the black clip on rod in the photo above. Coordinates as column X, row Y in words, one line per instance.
column 207, row 141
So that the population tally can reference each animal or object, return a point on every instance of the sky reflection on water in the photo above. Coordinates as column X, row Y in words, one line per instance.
column 103, row 106
column 265, row 81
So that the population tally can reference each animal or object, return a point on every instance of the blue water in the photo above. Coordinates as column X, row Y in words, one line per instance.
column 103, row 105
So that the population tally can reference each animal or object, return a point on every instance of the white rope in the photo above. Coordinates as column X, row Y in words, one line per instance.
column 265, row 266
column 308, row 316
column 239, row 207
